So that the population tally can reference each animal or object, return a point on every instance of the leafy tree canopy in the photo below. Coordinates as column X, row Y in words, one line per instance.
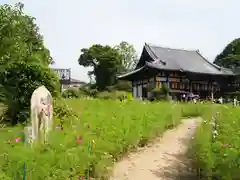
column 24, row 62
column 20, row 79
column 106, row 62
column 230, row 57
column 129, row 55
column 20, row 37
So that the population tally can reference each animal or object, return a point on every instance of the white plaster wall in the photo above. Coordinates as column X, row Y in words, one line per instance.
column 139, row 91
column 134, row 91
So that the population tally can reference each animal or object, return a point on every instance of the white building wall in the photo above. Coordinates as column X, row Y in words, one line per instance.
column 134, row 91
column 139, row 91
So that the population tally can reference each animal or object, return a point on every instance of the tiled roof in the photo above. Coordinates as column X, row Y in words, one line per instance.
column 177, row 60
column 184, row 60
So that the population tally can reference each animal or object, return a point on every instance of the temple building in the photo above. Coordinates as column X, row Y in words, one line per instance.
column 183, row 71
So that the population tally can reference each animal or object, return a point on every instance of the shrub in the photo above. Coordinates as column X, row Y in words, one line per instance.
column 88, row 91
column 157, row 95
column 120, row 95
column 20, row 79
column 62, row 110
column 71, row 93
column 160, row 94
column 92, row 92
column 121, row 86
column 165, row 90
column 62, row 113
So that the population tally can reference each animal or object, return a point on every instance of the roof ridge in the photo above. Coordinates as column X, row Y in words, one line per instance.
column 156, row 58
column 164, row 47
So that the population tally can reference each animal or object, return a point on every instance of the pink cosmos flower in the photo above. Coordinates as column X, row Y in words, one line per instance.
column 79, row 139
column 16, row 139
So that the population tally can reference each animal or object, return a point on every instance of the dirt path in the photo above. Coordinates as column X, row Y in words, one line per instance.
column 164, row 159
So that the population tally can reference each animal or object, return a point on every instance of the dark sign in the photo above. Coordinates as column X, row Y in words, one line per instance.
column 64, row 75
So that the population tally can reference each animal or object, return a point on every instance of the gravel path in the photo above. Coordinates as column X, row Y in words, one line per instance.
column 164, row 159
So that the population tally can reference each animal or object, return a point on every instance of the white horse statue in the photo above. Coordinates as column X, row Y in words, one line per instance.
column 41, row 113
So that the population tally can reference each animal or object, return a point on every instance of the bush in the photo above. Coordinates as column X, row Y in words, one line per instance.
column 121, row 86
column 88, row 91
column 160, row 94
column 71, row 93
column 120, row 95
column 20, row 80
column 157, row 95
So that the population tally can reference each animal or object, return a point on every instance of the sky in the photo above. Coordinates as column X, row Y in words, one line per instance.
column 70, row 25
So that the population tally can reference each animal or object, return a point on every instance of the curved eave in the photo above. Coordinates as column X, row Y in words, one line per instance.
column 129, row 75
column 160, row 64
column 161, row 67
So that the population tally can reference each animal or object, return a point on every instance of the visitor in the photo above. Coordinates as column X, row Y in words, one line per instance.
column 235, row 102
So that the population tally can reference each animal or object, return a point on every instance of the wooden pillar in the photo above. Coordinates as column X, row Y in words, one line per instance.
column 154, row 81
column 212, row 95
column 167, row 81
column 190, row 86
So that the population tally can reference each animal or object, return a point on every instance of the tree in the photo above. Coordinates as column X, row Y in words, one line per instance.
column 106, row 62
column 24, row 62
column 230, row 56
column 128, row 54
column 20, row 37
column 20, row 79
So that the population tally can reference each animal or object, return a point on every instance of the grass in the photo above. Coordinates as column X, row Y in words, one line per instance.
column 219, row 157
column 113, row 128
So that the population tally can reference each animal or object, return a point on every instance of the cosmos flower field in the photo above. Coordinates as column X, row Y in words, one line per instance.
column 216, row 147
column 90, row 135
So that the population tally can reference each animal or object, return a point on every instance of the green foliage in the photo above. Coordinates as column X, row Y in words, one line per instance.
column 230, row 57
column 160, row 94
column 121, row 86
column 20, row 38
column 113, row 125
column 71, row 93
column 164, row 89
column 24, row 62
column 62, row 111
column 88, row 91
column 128, row 56
column 190, row 111
column 105, row 61
column 20, row 80
column 116, row 129
column 220, row 158
column 157, row 95
column 120, row 95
